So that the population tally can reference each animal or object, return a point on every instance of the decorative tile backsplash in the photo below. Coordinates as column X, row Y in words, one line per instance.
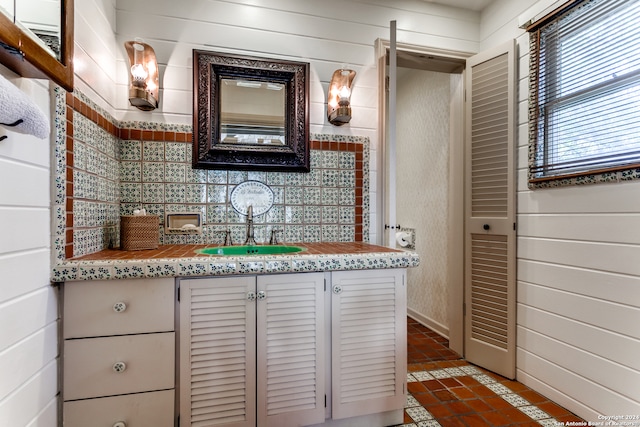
column 112, row 169
column 96, row 185
column 321, row 206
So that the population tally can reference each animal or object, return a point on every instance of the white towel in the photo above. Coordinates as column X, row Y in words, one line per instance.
column 15, row 105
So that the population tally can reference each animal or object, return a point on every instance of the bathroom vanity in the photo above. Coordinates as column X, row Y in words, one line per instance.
column 317, row 338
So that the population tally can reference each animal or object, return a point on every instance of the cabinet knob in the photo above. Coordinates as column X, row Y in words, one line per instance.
column 119, row 307
column 262, row 295
column 486, row 227
column 119, row 367
column 120, row 424
column 251, row 296
column 337, row 289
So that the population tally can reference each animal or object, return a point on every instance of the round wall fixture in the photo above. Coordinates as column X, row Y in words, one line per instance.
column 252, row 193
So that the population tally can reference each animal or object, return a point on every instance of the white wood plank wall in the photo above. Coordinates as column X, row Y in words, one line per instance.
column 578, row 276
column 329, row 35
column 96, row 52
column 28, row 303
column 578, row 273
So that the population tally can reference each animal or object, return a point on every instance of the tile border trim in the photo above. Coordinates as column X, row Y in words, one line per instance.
column 508, row 395
column 62, row 184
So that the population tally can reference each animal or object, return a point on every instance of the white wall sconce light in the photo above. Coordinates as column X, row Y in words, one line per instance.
column 339, row 97
column 143, row 75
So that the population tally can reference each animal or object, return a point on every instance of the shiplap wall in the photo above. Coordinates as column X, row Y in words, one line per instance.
column 96, row 52
column 28, row 302
column 578, row 284
column 589, row 266
column 329, row 35
column 579, row 298
column 578, row 273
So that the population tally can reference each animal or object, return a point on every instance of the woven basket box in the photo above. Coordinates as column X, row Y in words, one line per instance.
column 139, row 232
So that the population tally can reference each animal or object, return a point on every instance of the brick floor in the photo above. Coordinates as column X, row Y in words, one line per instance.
column 447, row 391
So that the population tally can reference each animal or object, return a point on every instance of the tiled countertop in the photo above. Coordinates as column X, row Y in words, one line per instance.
column 182, row 260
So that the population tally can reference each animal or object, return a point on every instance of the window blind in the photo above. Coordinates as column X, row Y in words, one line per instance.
column 585, row 91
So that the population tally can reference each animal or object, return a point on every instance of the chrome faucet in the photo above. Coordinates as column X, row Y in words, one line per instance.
column 250, row 238
column 274, row 239
column 227, row 238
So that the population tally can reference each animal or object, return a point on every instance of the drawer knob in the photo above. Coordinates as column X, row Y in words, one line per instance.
column 119, row 367
column 120, row 424
column 119, row 307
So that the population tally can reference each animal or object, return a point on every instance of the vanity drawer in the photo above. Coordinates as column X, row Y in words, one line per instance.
column 96, row 367
column 135, row 410
column 118, row 307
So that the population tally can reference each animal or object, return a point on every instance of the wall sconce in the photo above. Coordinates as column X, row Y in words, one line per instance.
column 143, row 75
column 339, row 98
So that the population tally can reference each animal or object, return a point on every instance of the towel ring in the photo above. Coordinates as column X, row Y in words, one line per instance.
column 16, row 123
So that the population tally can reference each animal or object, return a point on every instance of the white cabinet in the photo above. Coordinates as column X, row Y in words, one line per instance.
column 99, row 308
column 252, row 351
column 284, row 350
column 369, row 342
column 108, row 366
column 217, row 335
column 119, row 353
column 291, row 349
column 144, row 409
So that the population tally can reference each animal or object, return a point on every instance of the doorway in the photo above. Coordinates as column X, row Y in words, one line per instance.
column 429, row 158
column 461, row 265
column 424, row 121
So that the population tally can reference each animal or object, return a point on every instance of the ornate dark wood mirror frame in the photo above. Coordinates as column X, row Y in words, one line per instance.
column 209, row 152
column 23, row 55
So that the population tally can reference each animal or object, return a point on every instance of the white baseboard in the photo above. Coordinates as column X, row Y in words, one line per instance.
column 437, row 327
column 389, row 418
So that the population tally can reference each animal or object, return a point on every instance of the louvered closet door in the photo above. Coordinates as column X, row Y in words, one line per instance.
column 290, row 347
column 490, row 211
column 369, row 341
column 217, row 352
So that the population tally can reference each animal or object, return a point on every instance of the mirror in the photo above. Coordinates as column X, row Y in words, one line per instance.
column 250, row 113
column 36, row 39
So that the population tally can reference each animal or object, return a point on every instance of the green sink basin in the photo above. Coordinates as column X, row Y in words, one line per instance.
column 251, row 250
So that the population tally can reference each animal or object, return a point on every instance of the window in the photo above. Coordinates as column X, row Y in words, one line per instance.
column 585, row 90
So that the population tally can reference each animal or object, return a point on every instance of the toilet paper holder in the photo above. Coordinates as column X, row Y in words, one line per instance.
column 406, row 238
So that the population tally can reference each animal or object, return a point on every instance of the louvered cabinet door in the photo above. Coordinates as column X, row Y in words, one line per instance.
column 290, row 349
column 490, row 211
column 369, row 341
column 217, row 352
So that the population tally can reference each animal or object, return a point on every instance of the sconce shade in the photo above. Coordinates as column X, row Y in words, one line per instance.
column 143, row 75
column 339, row 97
